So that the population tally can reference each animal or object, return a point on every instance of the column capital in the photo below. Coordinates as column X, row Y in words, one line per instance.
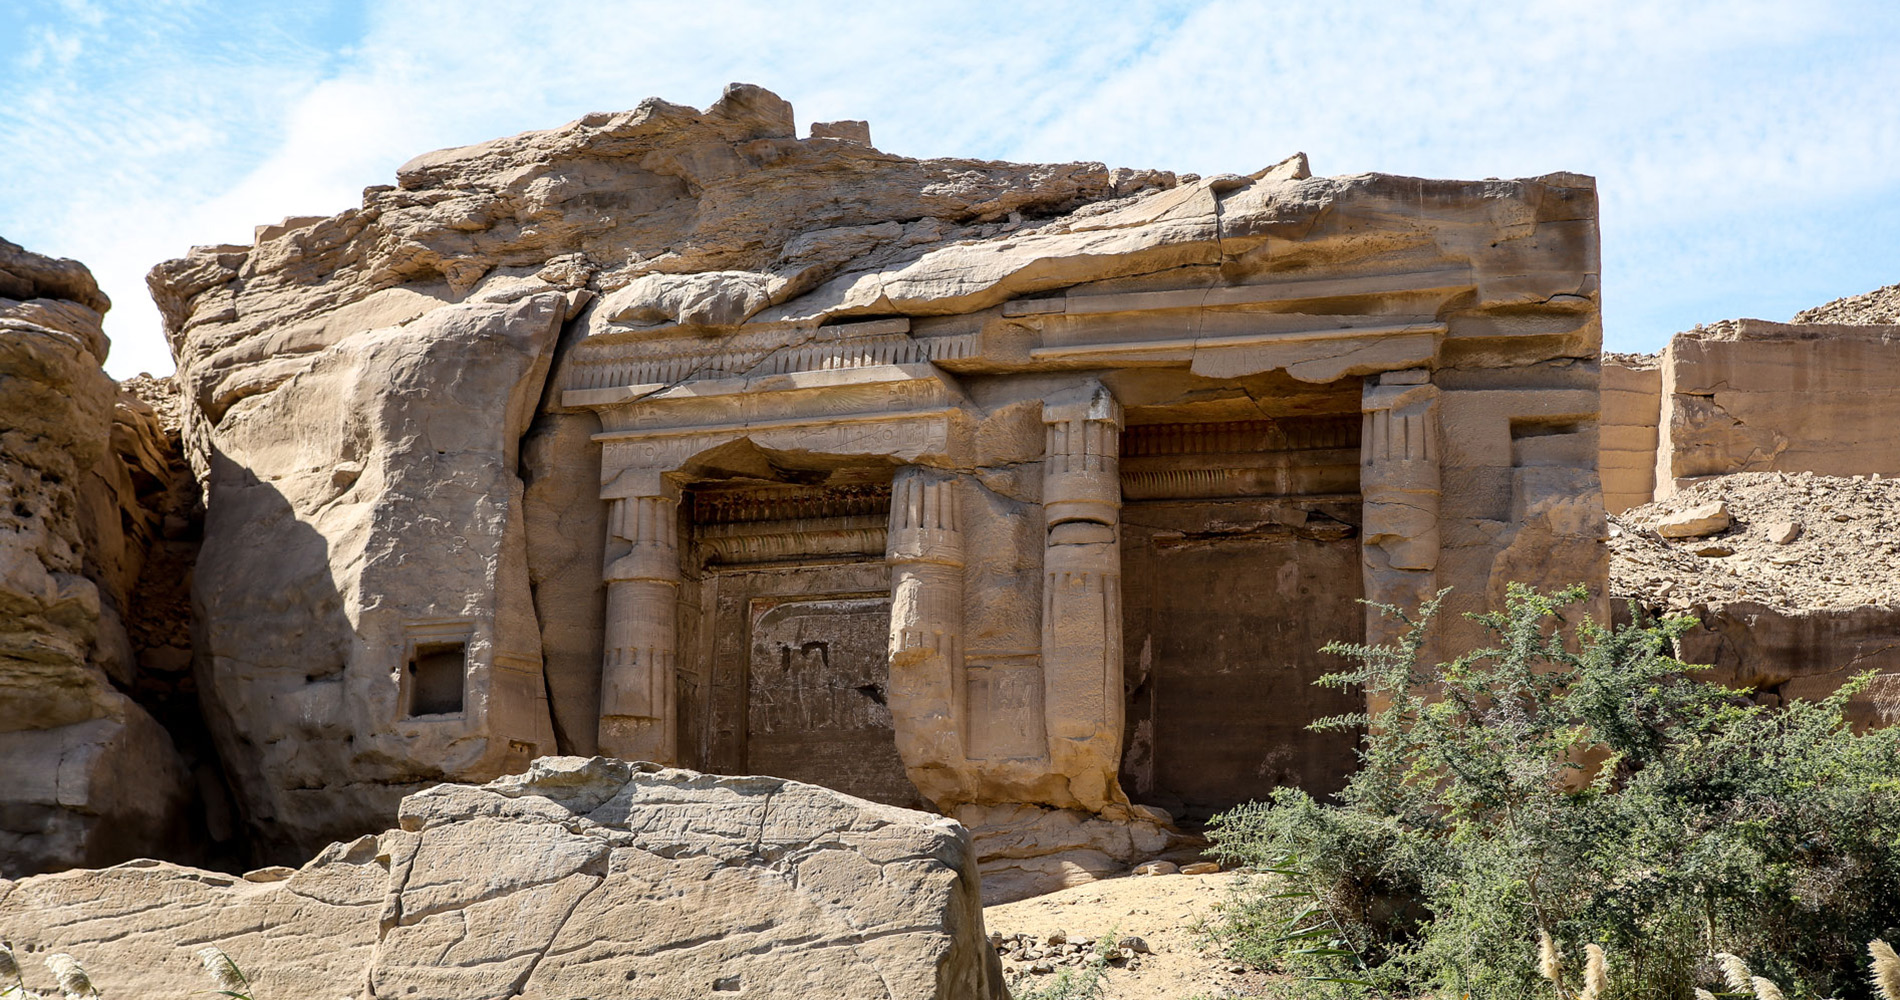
column 926, row 518
column 1399, row 470
column 1090, row 401
column 639, row 483
column 1081, row 466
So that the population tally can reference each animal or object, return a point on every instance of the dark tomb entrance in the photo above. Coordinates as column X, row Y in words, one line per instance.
column 1240, row 559
column 793, row 622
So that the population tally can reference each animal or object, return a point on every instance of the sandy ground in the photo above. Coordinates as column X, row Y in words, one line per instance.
column 1161, row 909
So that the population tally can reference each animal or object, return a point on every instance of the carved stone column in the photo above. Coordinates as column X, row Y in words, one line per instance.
column 641, row 651
column 1399, row 470
column 925, row 552
column 1082, row 606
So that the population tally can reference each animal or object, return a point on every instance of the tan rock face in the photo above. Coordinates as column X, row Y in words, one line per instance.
column 577, row 878
column 1752, row 396
column 91, row 778
column 363, row 583
column 940, row 481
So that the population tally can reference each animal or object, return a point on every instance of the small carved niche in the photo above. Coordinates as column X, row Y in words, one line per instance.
column 436, row 675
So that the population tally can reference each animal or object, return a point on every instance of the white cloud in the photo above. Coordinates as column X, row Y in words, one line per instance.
column 1746, row 151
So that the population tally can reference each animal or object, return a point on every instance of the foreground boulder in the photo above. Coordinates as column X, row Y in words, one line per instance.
column 580, row 878
column 90, row 776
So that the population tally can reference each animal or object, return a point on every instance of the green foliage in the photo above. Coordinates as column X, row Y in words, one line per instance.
column 1575, row 780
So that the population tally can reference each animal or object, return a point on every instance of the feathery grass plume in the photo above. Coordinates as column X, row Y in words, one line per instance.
column 1550, row 964
column 1885, row 969
column 1735, row 972
column 71, row 976
column 1702, row 994
column 1596, row 972
column 224, row 973
column 1766, row 989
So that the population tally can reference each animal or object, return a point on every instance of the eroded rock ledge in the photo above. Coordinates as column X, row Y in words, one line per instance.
column 90, row 776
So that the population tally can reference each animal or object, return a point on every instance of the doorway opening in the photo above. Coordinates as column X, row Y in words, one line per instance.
column 1240, row 559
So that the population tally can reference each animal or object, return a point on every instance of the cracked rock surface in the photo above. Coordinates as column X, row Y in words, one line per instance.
column 581, row 877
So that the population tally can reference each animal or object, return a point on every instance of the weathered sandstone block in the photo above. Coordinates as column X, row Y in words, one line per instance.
column 1632, row 407
column 1753, row 396
column 1699, row 521
column 578, row 878
column 90, row 778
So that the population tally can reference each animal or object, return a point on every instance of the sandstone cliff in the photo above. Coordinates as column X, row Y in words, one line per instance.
column 412, row 536
column 91, row 777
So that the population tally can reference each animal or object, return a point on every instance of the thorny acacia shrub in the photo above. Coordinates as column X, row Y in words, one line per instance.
column 1575, row 780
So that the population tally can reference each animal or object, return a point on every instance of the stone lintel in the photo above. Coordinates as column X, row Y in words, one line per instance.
column 1449, row 279
column 1187, row 345
column 740, row 428
column 749, row 385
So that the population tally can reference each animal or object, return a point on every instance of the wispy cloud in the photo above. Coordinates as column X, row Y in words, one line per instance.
column 1748, row 152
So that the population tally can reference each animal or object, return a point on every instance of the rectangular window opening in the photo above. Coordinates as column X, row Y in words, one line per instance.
column 436, row 674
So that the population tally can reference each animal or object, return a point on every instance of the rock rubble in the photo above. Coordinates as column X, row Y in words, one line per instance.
column 1843, row 542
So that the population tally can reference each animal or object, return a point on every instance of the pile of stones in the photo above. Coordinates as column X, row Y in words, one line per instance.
column 1787, row 540
column 1041, row 956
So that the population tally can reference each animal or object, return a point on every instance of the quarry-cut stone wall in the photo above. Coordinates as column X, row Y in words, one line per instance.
column 1789, row 427
column 1632, row 408
column 1025, row 492
column 1753, row 396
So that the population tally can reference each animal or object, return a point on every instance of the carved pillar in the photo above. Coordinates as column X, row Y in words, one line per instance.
column 1082, row 612
column 925, row 552
column 1399, row 474
column 641, row 651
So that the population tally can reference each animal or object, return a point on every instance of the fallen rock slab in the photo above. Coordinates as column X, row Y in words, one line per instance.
column 1696, row 522
column 581, row 877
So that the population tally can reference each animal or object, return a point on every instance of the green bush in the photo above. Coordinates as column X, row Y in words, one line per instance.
column 1574, row 781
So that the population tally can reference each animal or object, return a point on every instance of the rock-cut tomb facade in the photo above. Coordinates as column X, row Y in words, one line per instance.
column 1005, row 490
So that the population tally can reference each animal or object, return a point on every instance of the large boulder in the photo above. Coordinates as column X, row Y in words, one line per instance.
column 91, row 777
column 581, row 877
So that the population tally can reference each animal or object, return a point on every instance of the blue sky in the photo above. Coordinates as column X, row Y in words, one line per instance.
column 1748, row 154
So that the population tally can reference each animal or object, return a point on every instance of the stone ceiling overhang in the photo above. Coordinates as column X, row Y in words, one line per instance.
column 675, row 380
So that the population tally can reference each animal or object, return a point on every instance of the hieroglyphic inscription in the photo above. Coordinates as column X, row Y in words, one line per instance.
column 817, row 696
column 1005, row 708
